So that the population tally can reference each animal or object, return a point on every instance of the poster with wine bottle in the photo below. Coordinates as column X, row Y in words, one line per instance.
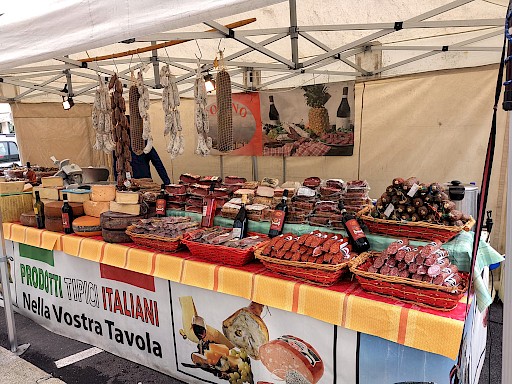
column 312, row 120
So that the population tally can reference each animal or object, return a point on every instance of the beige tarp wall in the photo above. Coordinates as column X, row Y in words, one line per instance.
column 434, row 126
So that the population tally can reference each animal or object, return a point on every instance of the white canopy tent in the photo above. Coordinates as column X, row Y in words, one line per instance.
column 45, row 44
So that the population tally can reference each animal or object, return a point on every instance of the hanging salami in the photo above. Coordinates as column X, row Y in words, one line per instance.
column 102, row 120
column 172, row 122
column 204, row 142
column 144, row 113
column 224, row 109
column 137, row 142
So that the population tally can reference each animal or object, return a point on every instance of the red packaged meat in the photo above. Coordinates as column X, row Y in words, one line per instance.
column 312, row 182
column 176, row 189
column 335, row 183
column 234, row 180
column 328, row 191
column 188, row 178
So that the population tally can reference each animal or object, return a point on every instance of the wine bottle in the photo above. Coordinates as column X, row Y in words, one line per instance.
column 273, row 115
column 39, row 211
column 30, row 174
column 161, row 202
column 209, row 207
column 241, row 221
column 67, row 215
column 278, row 216
column 354, row 231
column 343, row 113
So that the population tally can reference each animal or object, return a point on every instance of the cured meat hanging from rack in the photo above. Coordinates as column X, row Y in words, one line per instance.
column 172, row 122
column 120, row 131
column 101, row 119
column 204, row 142
column 144, row 113
column 224, row 108
column 137, row 142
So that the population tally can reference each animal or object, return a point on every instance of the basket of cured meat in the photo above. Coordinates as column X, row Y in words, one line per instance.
column 319, row 257
column 220, row 245
column 422, row 275
column 164, row 233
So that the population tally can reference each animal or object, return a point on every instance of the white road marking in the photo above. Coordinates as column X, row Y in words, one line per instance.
column 77, row 357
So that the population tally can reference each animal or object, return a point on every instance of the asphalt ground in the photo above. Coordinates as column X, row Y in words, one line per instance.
column 103, row 368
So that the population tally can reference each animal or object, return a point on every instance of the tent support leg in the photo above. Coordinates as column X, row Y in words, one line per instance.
column 294, row 34
column 6, row 291
column 507, row 289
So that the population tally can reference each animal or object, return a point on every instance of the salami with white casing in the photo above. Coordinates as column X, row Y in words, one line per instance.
column 144, row 114
column 204, row 142
column 172, row 120
column 102, row 120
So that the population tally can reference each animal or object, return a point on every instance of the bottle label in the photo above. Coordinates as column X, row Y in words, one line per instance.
column 65, row 220
column 354, row 229
column 342, row 124
column 237, row 233
column 205, row 210
column 36, row 211
column 161, row 205
column 277, row 220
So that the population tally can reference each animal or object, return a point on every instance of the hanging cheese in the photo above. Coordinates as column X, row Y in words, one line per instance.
column 96, row 208
column 49, row 193
column 123, row 197
column 103, row 192
column 131, row 209
column 52, row 181
column 87, row 226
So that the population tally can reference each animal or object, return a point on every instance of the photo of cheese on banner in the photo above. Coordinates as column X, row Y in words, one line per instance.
column 257, row 344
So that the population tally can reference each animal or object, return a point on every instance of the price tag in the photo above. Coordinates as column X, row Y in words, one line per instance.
column 237, row 233
column 389, row 210
column 128, row 176
column 413, row 190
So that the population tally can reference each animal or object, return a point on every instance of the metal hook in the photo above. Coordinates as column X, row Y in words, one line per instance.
column 130, row 65
column 218, row 47
column 95, row 68
column 200, row 52
column 115, row 65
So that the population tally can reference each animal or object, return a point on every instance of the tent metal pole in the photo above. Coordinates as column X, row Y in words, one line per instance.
column 6, row 290
column 156, row 66
column 294, row 35
column 42, row 85
column 506, row 370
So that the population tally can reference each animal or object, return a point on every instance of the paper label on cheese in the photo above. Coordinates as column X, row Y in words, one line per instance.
column 413, row 190
column 389, row 210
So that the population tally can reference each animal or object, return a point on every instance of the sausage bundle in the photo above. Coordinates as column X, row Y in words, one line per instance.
column 101, row 119
column 315, row 247
column 120, row 131
column 429, row 263
column 172, row 122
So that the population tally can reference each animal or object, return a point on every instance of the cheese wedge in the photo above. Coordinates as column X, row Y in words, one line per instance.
column 124, row 197
column 76, row 197
column 50, row 193
column 103, row 192
column 130, row 209
column 96, row 208
column 52, row 181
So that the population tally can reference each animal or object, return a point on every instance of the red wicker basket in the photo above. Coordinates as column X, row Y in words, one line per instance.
column 413, row 230
column 318, row 274
column 408, row 290
column 160, row 243
column 219, row 253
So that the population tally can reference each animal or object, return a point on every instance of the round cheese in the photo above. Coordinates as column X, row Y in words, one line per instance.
column 53, row 224
column 125, row 197
column 103, row 192
column 54, row 209
column 115, row 236
column 117, row 221
column 96, row 208
column 87, row 226
column 28, row 219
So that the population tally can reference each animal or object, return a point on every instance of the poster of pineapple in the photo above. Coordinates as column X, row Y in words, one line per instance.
column 312, row 120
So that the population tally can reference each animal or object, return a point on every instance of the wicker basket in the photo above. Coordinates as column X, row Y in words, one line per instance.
column 165, row 244
column 418, row 230
column 413, row 291
column 220, row 254
column 319, row 274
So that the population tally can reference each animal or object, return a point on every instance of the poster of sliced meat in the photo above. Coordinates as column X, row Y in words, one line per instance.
column 312, row 120
column 238, row 341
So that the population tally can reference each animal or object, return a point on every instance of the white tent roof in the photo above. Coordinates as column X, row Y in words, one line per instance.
column 320, row 44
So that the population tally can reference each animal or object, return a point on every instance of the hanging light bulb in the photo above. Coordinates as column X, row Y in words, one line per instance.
column 209, row 83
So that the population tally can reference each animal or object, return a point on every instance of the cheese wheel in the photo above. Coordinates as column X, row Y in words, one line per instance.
column 103, row 192
column 54, row 209
column 28, row 219
column 96, row 208
column 87, row 226
column 53, row 224
column 115, row 236
column 289, row 353
column 76, row 195
column 52, row 181
column 131, row 209
column 124, row 197
column 117, row 221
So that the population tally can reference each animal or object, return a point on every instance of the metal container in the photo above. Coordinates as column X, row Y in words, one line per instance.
column 465, row 196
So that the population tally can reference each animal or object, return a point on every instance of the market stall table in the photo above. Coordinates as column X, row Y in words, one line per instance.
column 344, row 304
